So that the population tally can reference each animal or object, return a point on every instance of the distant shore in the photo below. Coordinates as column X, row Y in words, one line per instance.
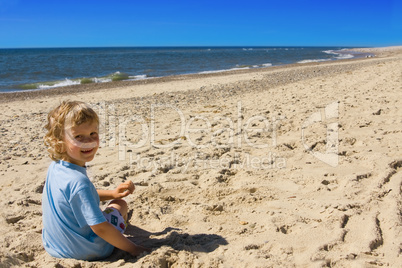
column 11, row 96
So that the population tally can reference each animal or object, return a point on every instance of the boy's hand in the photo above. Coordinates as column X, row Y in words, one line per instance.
column 140, row 250
column 107, row 232
column 124, row 189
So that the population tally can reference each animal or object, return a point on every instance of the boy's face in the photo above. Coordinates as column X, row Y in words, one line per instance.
column 81, row 143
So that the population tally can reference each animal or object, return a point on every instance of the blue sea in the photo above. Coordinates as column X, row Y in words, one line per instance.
column 43, row 68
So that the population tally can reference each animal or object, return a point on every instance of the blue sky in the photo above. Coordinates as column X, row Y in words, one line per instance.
column 87, row 23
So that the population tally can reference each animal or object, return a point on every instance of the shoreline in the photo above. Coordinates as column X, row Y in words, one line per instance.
column 73, row 89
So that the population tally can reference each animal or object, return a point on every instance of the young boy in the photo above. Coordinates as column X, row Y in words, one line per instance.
column 73, row 224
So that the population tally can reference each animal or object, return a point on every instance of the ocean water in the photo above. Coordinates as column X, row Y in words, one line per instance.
column 43, row 68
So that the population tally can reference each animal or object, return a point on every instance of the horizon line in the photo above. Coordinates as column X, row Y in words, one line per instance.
column 191, row 46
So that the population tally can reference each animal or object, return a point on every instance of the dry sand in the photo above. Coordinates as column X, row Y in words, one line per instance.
column 295, row 166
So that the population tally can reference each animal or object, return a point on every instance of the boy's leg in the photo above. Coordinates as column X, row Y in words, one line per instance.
column 116, row 214
column 121, row 206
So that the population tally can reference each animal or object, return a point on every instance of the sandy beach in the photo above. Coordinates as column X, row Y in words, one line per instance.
column 287, row 166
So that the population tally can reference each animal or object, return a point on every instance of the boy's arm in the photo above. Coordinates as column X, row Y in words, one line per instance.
column 106, row 195
column 111, row 235
column 123, row 190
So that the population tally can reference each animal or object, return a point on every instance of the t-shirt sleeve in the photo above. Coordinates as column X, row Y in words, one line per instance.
column 85, row 207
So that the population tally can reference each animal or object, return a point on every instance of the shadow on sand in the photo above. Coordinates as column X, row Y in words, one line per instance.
column 174, row 238
column 171, row 237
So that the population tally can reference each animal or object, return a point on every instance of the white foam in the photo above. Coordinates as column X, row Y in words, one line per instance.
column 341, row 56
column 220, row 71
column 211, row 72
column 66, row 82
column 102, row 80
column 345, row 56
column 266, row 65
column 308, row 61
column 242, row 68
column 138, row 77
column 330, row 52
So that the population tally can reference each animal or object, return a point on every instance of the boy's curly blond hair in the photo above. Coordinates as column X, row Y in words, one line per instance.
column 67, row 114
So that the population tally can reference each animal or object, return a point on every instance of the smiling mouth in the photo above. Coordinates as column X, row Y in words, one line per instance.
column 87, row 151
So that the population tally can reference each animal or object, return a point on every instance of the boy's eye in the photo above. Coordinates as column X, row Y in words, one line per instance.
column 79, row 137
column 94, row 134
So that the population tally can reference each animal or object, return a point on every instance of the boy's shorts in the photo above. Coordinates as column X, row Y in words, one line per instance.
column 114, row 217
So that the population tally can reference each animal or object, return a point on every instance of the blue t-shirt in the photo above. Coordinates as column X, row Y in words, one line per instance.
column 70, row 205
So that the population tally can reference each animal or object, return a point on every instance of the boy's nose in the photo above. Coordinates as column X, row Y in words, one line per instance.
column 89, row 141
column 89, row 144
